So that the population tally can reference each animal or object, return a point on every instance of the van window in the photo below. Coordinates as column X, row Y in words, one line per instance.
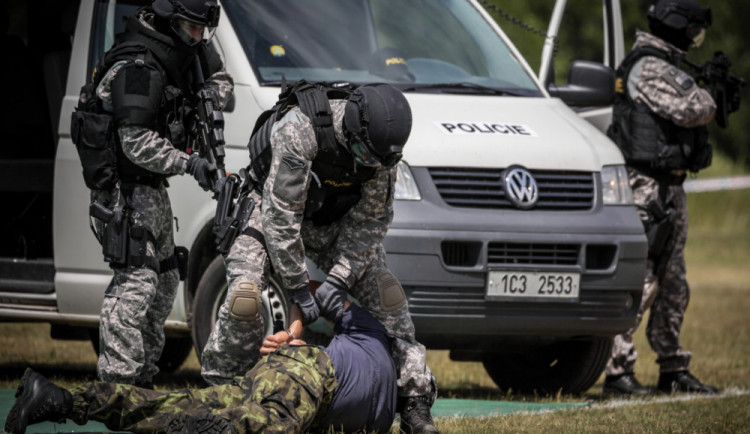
column 581, row 37
column 109, row 20
column 361, row 41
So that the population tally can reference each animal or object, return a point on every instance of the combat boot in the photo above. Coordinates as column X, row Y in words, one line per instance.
column 683, row 381
column 416, row 417
column 37, row 400
column 182, row 423
column 624, row 384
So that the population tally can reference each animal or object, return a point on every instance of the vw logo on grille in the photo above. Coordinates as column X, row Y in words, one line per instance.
column 520, row 187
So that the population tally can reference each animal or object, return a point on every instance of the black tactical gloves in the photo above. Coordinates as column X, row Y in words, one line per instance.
column 304, row 300
column 201, row 170
column 331, row 296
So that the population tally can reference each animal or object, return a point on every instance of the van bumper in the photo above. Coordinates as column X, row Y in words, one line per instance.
column 440, row 255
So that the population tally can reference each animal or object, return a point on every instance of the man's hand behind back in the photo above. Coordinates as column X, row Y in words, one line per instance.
column 275, row 341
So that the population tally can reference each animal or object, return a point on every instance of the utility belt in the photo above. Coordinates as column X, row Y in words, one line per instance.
column 152, row 181
column 234, row 206
column 124, row 240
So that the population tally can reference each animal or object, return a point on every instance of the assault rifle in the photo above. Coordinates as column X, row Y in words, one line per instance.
column 209, row 126
column 724, row 86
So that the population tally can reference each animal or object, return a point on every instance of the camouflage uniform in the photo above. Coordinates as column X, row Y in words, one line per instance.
column 349, row 249
column 665, row 291
column 138, row 301
column 287, row 391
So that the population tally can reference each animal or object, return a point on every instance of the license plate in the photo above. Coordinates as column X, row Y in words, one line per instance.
column 523, row 285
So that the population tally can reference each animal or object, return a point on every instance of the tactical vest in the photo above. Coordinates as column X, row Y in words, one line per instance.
column 337, row 181
column 92, row 128
column 648, row 141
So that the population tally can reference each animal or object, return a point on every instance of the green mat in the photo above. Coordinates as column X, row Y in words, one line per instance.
column 477, row 408
column 442, row 408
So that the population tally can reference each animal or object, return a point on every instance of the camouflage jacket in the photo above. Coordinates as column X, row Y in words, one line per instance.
column 667, row 91
column 145, row 147
column 285, row 194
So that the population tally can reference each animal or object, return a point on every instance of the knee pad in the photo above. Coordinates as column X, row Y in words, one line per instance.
column 245, row 303
column 391, row 293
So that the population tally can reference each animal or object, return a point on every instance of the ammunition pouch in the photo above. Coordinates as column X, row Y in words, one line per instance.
column 658, row 227
column 125, row 241
column 93, row 136
column 138, row 244
column 181, row 255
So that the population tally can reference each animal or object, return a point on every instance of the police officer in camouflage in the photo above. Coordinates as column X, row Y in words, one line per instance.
column 349, row 386
column 147, row 87
column 659, row 122
column 332, row 201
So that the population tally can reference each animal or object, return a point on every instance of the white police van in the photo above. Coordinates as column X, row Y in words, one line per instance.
column 514, row 235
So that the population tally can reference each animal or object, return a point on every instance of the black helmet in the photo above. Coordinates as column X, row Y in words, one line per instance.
column 678, row 22
column 377, row 118
column 201, row 12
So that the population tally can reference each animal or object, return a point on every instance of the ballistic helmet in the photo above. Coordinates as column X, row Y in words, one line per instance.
column 377, row 122
column 682, row 23
column 180, row 14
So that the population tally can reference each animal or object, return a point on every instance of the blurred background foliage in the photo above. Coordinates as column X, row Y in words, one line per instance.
column 581, row 38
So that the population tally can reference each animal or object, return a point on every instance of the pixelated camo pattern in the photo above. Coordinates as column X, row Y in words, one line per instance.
column 686, row 108
column 667, row 297
column 138, row 301
column 349, row 249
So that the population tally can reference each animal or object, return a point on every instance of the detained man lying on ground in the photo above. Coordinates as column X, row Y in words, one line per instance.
column 349, row 385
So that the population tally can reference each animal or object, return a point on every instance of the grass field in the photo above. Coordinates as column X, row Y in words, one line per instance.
column 716, row 330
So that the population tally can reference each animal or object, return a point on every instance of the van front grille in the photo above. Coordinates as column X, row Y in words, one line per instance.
column 532, row 254
column 483, row 188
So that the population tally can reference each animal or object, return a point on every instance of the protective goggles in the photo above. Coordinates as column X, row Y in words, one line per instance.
column 188, row 25
column 361, row 155
column 359, row 141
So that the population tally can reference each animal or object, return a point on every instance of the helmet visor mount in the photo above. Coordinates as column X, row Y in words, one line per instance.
column 680, row 17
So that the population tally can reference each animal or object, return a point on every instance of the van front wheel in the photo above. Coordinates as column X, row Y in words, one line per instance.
column 571, row 367
column 210, row 295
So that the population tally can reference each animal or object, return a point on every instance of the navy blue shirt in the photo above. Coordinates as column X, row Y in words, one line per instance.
column 366, row 375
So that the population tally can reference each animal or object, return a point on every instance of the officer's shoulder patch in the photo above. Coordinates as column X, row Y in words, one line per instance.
column 137, row 79
column 292, row 162
column 680, row 80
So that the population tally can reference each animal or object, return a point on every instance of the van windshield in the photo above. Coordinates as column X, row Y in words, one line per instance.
column 418, row 45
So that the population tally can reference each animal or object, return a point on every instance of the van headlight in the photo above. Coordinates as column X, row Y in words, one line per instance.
column 406, row 187
column 615, row 186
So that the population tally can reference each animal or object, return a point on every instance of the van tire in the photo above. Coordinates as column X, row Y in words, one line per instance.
column 176, row 350
column 210, row 295
column 569, row 367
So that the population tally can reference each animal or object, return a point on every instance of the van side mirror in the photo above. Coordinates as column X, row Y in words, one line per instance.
column 589, row 84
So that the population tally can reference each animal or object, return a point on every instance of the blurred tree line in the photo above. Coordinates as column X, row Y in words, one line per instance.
column 525, row 22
